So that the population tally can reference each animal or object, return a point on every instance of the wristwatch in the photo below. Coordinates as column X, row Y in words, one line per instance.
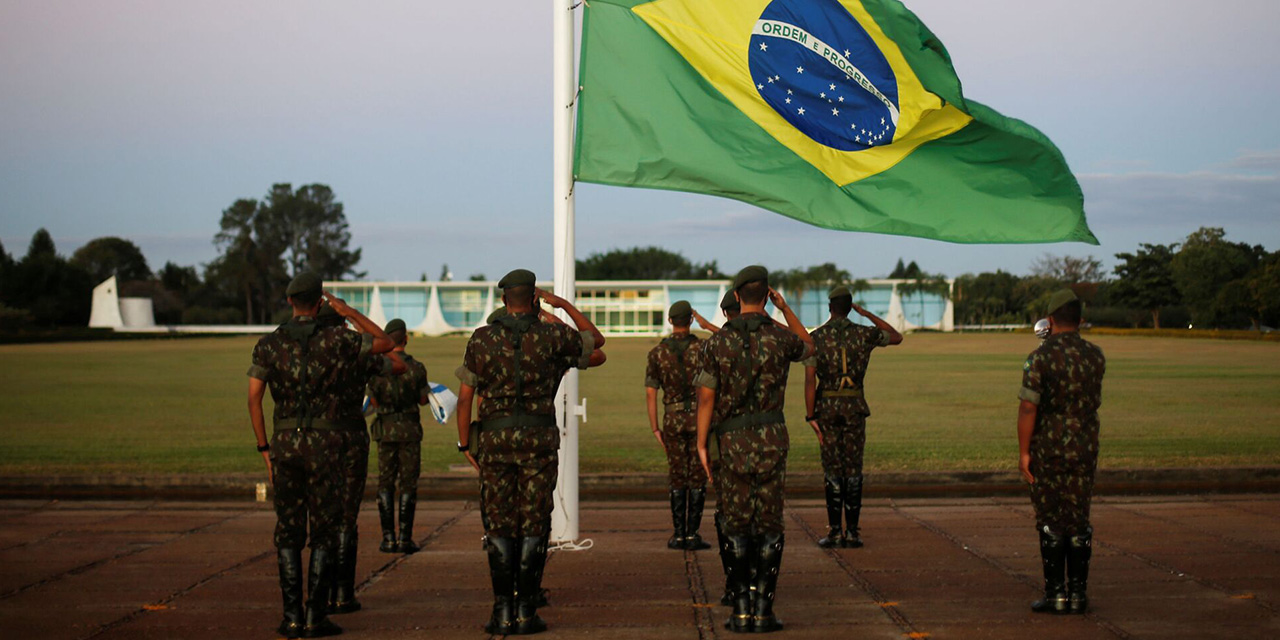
column 263, row 448
column 463, row 448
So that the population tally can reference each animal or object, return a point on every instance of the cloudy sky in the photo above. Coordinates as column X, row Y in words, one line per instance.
column 144, row 119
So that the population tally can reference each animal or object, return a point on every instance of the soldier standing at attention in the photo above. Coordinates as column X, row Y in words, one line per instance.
column 1058, row 446
column 398, row 431
column 837, row 408
column 307, row 369
column 516, row 364
column 731, row 308
column 741, row 390
column 355, row 466
column 672, row 365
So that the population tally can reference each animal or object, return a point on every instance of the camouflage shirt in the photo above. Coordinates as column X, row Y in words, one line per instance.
column 1063, row 378
column 672, row 367
column 398, row 399
column 547, row 351
column 747, row 363
column 842, row 351
column 338, row 363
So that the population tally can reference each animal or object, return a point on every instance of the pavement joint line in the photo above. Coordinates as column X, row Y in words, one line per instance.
column 1108, row 625
column 890, row 608
column 163, row 603
column 1218, row 536
column 89, row 566
column 1156, row 564
column 702, row 609
column 390, row 565
column 1227, row 503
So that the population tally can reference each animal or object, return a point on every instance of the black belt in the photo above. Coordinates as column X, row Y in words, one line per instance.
column 319, row 424
column 520, row 420
column 682, row 405
column 749, row 420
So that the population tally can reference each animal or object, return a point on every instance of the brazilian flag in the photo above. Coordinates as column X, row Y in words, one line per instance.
column 845, row 114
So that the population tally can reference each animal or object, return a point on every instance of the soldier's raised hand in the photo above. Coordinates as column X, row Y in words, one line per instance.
column 338, row 305
column 550, row 298
column 776, row 298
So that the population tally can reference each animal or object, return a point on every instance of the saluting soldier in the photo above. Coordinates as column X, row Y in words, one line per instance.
column 1058, row 446
column 516, row 363
column 837, row 407
column 672, row 365
column 308, row 369
column 397, row 428
column 355, row 466
column 730, row 307
column 741, row 391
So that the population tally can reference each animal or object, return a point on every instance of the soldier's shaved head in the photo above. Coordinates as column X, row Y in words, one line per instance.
column 753, row 292
column 1068, row 315
column 519, row 297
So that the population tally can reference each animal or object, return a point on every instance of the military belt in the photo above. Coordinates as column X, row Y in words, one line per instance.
column 842, row 393
column 681, row 405
column 749, row 420
column 520, row 420
column 414, row 413
column 294, row 423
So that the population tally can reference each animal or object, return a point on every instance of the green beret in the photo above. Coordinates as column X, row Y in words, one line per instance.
column 753, row 273
column 497, row 313
column 304, row 283
column 517, row 278
column 730, row 302
column 395, row 325
column 680, row 309
column 1060, row 298
column 840, row 291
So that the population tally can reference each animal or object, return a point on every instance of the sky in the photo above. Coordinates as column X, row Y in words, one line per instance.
column 145, row 119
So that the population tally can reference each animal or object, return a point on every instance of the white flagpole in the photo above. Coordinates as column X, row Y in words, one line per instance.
column 564, row 518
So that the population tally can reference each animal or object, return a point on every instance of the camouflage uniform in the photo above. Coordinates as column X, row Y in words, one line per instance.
column 309, row 370
column 518, row 451
column 841, row 355
column 398, row 431
column 1063, row 378
column 516, row 364
column 747, row 363
column 672, row 366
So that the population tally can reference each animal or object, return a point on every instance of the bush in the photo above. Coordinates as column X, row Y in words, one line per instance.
column 206, row 315
column 14, row 319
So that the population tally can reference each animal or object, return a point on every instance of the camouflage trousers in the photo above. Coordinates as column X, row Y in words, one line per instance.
column 306, row 479
column 750, row 492
column 844, row 437
column 399, row 465
column 680, row 438
column 518, row 467
column 355, row 472
column 1062, row 493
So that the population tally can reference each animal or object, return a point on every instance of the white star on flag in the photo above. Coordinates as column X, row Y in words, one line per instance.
column 835, row 112
column 841, row 98
column 764, row 47
column 799, row 69
column 788, row 100
column 801, row 111
column 759, row 86
column 832, row 87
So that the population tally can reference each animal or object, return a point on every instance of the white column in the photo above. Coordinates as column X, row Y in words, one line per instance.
column 564, row 517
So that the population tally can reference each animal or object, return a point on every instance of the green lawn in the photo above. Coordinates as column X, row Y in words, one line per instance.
column 938, row 402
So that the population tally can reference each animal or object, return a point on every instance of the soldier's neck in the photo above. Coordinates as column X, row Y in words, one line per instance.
column 679, row 331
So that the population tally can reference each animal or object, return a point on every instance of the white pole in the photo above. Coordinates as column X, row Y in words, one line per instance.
column 564, row 518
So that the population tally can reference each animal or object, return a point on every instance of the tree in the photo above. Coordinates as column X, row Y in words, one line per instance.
column 924, row 283
column 1204, row 265
column 445, row 274
column 1145, row 279
column 478, row 277
column 1264, row 291
column 1068, row 269
column 901, row 272
column 102, row 258
column 988, row 298
column 54, row 291
column 41, row 245
column 645, row 263
column 180, row 280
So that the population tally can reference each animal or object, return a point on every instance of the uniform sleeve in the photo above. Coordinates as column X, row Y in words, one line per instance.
column 468, row 372
column 587, row 346
column 880, row 338
column 366, row 345
column 259, row 368
column 1032, row 378
column 708, row 374
column 797, row 350
column 381, row 366
column 424, row 384
column 652, row 373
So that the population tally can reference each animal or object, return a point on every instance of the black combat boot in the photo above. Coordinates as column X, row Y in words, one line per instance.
column 739, row 583
column 852, row 511
column 533, row 559
column 697, row 500
column 726, row 554
column 1079, row 551
column 386, row 513
column 408, row 506
column 679, row 513
column 503, row 563
column 319, row 581
column 291, row 591
column 833, row 487
column 343, row 598
column 1053, row 553
column 768, row 565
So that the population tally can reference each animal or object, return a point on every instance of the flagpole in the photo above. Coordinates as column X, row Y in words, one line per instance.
column 564, row 518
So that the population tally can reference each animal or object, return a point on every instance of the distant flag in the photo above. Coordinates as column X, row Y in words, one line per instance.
column 844, row 114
